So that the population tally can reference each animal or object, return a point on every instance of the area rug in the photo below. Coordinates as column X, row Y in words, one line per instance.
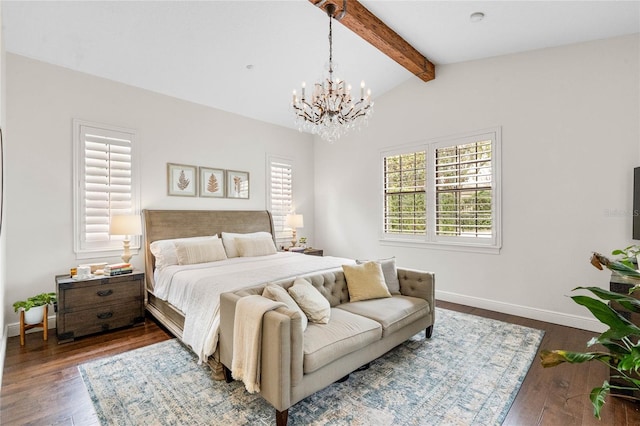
column 468, row 373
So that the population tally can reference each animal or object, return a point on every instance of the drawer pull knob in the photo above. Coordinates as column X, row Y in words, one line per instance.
column 103, row 293
column 105, row 315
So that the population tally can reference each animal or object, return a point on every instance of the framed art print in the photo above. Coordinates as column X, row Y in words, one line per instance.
column 182, row 180
column 211, row 182
column 237, row 184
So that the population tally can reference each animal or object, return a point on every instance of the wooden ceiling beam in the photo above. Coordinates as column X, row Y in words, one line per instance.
column 368, row 26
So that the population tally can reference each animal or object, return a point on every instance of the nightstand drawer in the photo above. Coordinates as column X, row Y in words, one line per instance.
column 103, row 318
column 100, row 294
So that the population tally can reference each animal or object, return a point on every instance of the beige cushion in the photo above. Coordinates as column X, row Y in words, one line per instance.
column 255, row 246
column 279, row 294
column 164, row 251
column 190, row 252
column 311, row 301
column 365, row 281
column 229, row 241
column 390, row 273
column 392, row 314
column 346, row 333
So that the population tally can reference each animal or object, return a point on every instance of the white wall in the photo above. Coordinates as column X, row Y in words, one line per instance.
column 570, row 139
column 43, row 99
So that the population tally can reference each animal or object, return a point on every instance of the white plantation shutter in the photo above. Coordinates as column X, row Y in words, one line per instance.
column 280, row 189
column 445, row 192
column 105, row 185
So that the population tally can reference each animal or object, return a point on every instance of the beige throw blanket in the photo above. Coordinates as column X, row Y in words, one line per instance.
column 247, row 339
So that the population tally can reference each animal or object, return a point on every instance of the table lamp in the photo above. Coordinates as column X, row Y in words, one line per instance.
column 294, row 221
column 127, row 225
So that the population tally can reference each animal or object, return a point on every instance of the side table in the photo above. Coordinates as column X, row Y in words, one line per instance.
column 98, row 304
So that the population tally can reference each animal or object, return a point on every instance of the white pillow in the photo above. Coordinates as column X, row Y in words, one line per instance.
column 165, row 250
column 190, row 252
column 279, row 294
column 255, row 246
column 228, row 239
column 311, row 301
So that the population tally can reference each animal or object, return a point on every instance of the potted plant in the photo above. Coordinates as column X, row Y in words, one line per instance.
column 33, row 307
column 629, row 256
column 621, row 339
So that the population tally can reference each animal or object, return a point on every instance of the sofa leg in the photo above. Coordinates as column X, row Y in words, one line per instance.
column 282, row 417
column 227, row 374
column 429, row 331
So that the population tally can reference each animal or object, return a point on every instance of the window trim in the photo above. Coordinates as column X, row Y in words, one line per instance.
column 490, row 245
column 114, row 247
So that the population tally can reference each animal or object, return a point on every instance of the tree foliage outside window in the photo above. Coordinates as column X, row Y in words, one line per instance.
column 405, row 204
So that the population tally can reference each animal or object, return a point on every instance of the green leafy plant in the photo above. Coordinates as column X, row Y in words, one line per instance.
column 621, row 337
column 628, row 255
column 33, row 301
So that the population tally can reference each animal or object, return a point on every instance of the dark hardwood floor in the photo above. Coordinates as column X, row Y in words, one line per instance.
column 42, row 386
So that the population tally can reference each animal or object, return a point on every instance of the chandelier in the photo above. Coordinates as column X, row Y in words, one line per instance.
column 331, row 111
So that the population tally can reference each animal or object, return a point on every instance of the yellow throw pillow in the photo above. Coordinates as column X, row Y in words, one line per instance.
column 365, row 281
column 311, row 301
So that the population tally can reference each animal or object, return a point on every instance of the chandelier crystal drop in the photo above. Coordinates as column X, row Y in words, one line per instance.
column 330, row 112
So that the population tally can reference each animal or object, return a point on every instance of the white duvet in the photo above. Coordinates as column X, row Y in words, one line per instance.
column 196, row 289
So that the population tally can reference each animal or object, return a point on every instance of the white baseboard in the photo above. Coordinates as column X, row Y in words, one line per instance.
column 13, row 329
column 560, row 318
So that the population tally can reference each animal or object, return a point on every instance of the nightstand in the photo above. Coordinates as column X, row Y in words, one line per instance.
column 313, row 251
column 98, row 304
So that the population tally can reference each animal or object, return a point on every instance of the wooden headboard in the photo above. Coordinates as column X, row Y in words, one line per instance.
column 168, row 224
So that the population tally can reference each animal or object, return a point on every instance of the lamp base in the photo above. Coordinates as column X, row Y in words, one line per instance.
column 126, row 256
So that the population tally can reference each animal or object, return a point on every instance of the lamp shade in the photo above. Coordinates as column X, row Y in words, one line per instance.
column 294, row 221
column 125, row 225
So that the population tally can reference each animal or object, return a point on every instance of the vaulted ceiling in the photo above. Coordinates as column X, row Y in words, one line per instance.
column 246, row 57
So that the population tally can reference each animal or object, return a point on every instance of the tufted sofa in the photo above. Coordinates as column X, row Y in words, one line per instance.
column 297, row 363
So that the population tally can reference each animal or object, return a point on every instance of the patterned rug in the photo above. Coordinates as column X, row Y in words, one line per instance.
column 468, row 373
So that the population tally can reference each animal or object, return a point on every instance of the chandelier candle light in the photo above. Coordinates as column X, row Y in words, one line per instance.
column 331, row 111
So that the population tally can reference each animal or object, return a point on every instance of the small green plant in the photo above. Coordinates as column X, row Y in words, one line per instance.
column 303, row 240
column 628, row 255
column 33, row 301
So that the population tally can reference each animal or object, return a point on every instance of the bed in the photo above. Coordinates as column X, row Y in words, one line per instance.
column 185, row 298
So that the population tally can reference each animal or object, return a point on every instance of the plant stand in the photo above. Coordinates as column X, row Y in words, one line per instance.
column 44, row 324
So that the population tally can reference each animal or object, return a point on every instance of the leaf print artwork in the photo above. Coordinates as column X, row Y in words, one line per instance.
column 212, row 185
column 237, row 184
column 183, row 182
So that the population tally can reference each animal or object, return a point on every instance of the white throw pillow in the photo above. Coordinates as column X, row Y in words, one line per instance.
column 164, row 251
column 228, row 239
column 279, row 294
column 261, row 245
column 190, row 252
column 311, row 301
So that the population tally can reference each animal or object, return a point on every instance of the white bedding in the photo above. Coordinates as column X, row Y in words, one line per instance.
column 195, row 289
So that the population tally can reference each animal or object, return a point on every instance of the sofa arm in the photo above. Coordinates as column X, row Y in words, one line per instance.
column 282, row 356
column 417, row 284
column 282, row 349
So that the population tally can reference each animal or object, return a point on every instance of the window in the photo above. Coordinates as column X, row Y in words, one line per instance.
column 105, row 184
column 280, row 196
column 444, row 192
